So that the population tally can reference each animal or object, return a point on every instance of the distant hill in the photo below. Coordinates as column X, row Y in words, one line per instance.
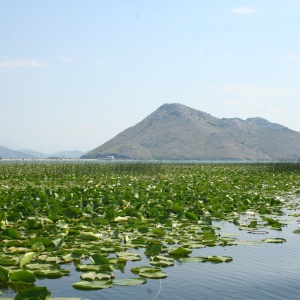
column 61, row 154
column 34, row 153
column 8, row 153
column 68, row 154
column 178, row 132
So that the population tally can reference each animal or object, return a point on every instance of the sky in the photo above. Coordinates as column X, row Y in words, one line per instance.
column 75, row 73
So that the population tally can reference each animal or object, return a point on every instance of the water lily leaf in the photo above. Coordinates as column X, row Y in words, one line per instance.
column 158, row 231
column 249, row 243
column 90, row 236
column 38, row 246
column 274, row 240
column 62, row 224
column 137, row 270
column 54, row 259
column 44, row 240
column 258, row 232
column 96, row 268
column 120, row 265
column 154, row 274
column 194, row 245
column 143, row 229
column 23, row 275
column 180, row 252
column 129, row 281
column 162, row 261
column 51, row 273
column 121, row 219
column 26, row 259
column 58, row 242
column 93, row 285
column 191, row 216
column 77, row 254
column 8, row 261
column 219, row 259
column 10, row 232
column 68, row 258
column 193, row 259
column 38, row 266
column 18, row 249
column 129, row 255
column 90, row 276
column 273, row 223
column 153, row 250
column 99, row 259
column 39, row 293
column 4, row 274
column 10, row 243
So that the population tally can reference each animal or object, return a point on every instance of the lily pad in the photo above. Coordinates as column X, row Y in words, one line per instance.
column 90, row 276
column 274, row 240
column 99, row 259
column 154, row 274
column 129, row 255
column 34, row 292
column 93, row 285
column 129, row 281
column 219, row 259
column 95, row 268
column 26, row 259
column 162, row 261
column 180, row 252
column 23, row 275
column 51, row 273
column 90, row 236
column 4, row 274
column 193, row 259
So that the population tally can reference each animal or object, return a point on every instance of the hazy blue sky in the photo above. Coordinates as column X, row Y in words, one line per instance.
column 73, row 74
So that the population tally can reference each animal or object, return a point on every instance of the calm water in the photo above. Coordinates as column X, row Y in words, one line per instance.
column 265, row 271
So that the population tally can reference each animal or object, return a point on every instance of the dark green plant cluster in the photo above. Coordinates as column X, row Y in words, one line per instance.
column 285, row 166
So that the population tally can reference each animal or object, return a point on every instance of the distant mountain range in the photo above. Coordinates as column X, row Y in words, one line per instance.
column 177, row 132
column 8, row 153
column 28, row 153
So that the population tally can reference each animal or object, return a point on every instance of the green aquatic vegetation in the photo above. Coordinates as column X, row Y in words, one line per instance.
column 100, row 216
column 93, row 285
column 33, row 293
column 129, row 281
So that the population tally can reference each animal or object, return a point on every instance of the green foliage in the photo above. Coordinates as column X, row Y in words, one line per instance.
column 97, row 215
column 36, row 293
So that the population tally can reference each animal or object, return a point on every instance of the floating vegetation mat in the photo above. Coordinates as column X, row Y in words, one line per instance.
column 99, row 217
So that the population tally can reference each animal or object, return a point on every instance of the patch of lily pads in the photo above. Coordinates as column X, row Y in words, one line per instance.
column 99, row 217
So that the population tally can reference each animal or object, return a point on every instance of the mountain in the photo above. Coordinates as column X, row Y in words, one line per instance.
column 34, row 153
column 177, row 132
column 68, row 154
column 61, row 154
column 8, row 153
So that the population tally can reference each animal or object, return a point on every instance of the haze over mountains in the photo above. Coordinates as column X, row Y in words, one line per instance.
column 28, row 153
column 177, row 132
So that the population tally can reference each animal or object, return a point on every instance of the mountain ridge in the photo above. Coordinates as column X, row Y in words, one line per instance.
column 29, row 153
column 9, row 153
column 178, row 132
